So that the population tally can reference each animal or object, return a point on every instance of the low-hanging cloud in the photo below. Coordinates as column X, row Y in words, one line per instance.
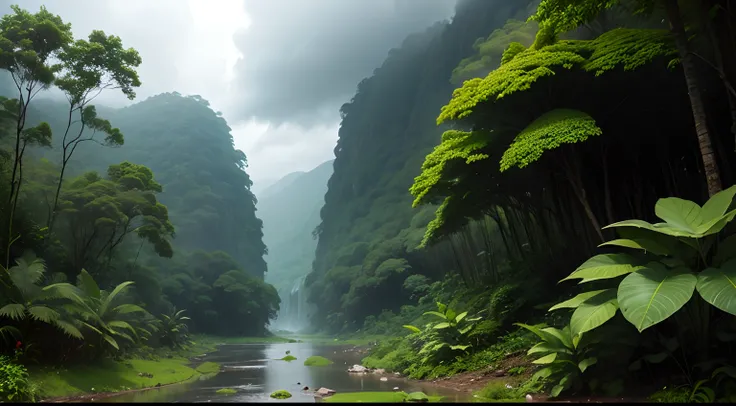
column 303, row 59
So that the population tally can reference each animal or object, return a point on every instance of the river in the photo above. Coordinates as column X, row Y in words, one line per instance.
column 255, row 372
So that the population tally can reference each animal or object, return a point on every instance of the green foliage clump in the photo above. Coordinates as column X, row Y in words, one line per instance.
column 280, row 394
column 14, row 384
column 625, row 48
column 317, row 361
column 231, row 391
column 549, row 132
column 288, row 358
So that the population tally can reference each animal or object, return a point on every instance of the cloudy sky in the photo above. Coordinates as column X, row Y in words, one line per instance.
column 278, row 69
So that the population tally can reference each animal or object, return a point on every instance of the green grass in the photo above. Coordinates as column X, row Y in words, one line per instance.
column 317, row 361
column 226, row 391
column 207, row 368
column 112, row 376
column 373, row 397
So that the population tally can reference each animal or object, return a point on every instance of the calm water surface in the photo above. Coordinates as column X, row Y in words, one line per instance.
column 254, row 371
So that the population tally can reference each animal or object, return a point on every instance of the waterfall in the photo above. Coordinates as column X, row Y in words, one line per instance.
column 293, row 314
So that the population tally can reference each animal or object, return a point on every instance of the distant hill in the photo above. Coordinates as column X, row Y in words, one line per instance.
column 279, row 185
column 289, row 209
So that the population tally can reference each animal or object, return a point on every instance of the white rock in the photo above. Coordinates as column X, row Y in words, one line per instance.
column 324, row 392
column 528, row 398
column 384, row 379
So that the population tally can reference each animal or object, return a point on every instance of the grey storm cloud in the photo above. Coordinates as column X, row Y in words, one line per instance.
column 303, row 59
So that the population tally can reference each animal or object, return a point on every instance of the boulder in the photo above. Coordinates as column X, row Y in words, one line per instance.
column 324, row 392
column 358, row 369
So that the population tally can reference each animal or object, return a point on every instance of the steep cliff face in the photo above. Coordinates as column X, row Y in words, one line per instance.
column 369, row 232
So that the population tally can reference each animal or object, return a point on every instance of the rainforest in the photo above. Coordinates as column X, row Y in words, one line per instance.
column 477, row 200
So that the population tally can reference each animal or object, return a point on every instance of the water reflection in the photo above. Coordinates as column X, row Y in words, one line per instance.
column 255, row 372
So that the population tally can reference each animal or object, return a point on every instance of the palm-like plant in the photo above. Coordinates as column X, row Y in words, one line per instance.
column 174, row 330
column 100, row 312
column 27, row 300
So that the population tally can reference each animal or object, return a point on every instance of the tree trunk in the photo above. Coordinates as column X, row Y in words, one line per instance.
column 712, row 175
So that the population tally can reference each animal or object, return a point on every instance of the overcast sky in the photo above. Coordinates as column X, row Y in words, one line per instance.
column 278, row 69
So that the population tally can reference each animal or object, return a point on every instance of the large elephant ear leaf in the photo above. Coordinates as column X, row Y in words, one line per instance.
column 680, row 213
column 717, row 286
column 605, row 266
column 654, row 293
column 718, row 205
column 576, row 301
column 594, row 312
column 662, row 228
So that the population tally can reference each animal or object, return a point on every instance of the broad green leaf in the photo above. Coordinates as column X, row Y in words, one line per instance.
column 679, row 213
column 605, row 266
column 121, row 324
column 588, row 362
column 726, row 250
column 547, row 359
column 88, row 284
column 460, row 347
column 639, row 244
column 13, row 311
column 466, row 329
column 442, row 308
column 594, row 312
column 450, row 315
column 662, row 228
column 438, row 346
column 43, row 313
column 442, row 325
column 460, row 317
column 129, row 308
column 111, row 341
column 438, row 314
column 652, row 294
column 718, row 204
column 576, row 301
column 656, row 241
column 545, row 348
column 412, row 328
column 542, row 373
column 716, row 225
column 544, row 335
column 717, row 286
column 563, row 335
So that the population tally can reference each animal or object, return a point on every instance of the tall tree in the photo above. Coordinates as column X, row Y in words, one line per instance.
column 89, row 68
column 28, row 44
column 558, row 16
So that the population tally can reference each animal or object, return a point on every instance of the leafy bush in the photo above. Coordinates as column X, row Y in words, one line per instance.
column 14, row 384
column 675, row 260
